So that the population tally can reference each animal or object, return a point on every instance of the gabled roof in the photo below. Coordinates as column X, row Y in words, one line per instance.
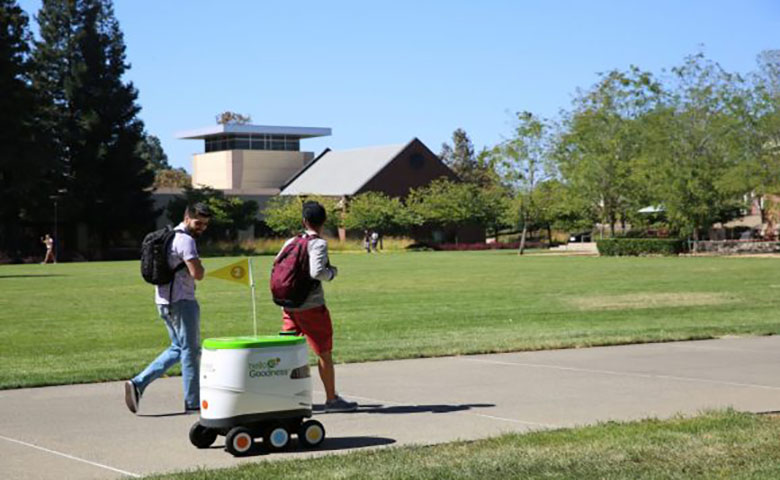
column 344, row 172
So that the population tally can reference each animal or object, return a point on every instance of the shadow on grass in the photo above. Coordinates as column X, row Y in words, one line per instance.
column 32, row 275
column 396, row 409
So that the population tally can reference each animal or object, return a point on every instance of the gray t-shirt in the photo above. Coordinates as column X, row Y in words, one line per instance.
column 182, row 248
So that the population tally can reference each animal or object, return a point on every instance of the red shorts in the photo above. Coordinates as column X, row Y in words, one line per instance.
column 314, row 323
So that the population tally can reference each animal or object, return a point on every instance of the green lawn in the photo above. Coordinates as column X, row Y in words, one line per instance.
column 725, row 445
column 96, row 321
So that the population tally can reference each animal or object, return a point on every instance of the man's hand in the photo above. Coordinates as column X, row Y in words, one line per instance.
column 195, row 268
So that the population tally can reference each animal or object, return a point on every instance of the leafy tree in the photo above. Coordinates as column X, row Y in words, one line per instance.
column 25, row 185
column 229, row 214
column 91, row 116
column 558, row 207
column 377, row 211
column 759, row 171
column 524, row 162
column 451, row 204
column 470, row 168
column 443, row 203
column 698, row 146
column 282, row 214
column 151, row 151
column 233, row 118
column 603, row 142
column 172, row 178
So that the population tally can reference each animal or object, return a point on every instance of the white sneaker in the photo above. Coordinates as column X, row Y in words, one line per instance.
column 132, row 396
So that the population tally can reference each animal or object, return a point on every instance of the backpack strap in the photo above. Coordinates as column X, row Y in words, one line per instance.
column 178, row 267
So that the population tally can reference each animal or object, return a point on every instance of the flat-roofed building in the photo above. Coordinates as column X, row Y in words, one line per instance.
column 249, row 159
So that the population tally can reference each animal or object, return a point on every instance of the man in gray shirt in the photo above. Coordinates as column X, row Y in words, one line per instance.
column 312, row 318
column 180, row 311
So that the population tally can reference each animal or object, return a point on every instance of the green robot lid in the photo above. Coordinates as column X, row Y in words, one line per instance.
column 267, row 341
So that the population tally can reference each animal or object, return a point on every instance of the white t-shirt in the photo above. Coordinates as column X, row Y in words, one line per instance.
column 182, row 248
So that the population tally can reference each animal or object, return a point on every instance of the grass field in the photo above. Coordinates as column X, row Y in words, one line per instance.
column 725, row 444
column 86, row 322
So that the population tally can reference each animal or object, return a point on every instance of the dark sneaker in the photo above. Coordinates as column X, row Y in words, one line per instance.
column 338, row 404
column 132, row 396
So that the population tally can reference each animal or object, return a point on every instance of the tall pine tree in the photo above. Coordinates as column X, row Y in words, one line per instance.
column 92, row 118
column 23, row 158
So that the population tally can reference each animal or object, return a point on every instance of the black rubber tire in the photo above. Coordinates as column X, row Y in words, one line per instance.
column 202, row 437
column 271, row 438
column 239, row 441
column 307, row 438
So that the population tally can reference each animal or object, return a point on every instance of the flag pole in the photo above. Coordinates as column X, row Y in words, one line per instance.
column 254, row 303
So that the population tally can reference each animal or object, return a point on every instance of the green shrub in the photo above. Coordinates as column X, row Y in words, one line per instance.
column 617, row 247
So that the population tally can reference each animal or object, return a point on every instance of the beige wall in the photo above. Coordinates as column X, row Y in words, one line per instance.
column 246, row 169
column 213, row 169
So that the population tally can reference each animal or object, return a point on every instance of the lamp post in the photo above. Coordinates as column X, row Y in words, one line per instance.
column 56, row 197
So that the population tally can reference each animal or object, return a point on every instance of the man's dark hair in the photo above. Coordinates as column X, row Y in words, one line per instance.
column 314, row 213
column 198, row 210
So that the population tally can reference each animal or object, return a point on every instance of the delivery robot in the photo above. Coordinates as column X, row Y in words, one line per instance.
column 254, row 387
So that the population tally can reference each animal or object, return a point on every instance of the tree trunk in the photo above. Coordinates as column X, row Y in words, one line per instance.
column 522, row 238
column 549, row 236
column 695, row 239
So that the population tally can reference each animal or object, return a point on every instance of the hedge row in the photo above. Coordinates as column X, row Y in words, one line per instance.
column 616, row 247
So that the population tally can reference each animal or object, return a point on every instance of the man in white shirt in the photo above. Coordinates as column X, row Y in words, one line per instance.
column 180, row 311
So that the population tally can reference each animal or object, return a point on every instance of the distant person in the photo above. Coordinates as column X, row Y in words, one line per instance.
column 375, row 241
column 367, row 240
column 180, row 311
column 49, row 242
column 312, row 318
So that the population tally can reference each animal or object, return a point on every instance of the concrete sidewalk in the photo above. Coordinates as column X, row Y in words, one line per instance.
column 85, row 431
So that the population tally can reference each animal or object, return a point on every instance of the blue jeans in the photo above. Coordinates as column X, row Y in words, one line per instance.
column 182, row 319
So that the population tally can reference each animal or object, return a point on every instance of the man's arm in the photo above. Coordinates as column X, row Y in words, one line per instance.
column 319, row 264
column 195, row 268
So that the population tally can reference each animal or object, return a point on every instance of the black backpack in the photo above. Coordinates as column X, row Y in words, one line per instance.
column 154, row 256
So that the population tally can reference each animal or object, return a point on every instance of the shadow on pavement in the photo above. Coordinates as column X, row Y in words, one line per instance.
column 171, row 414
column 395, row 409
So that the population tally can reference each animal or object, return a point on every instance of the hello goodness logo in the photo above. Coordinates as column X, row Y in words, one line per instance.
column 267, row 368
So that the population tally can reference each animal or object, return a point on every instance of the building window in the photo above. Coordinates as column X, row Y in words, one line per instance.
column 253, row 142
column 229, row 143
column 277, row 142
column 417, row 161
column 241, row 142
column 257, row 142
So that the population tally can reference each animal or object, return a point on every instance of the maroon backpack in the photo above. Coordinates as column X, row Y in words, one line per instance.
column 290, row 278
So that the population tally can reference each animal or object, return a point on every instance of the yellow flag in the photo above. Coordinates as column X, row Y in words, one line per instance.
column 235, row 272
